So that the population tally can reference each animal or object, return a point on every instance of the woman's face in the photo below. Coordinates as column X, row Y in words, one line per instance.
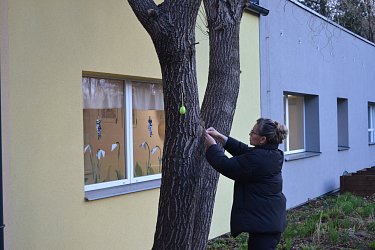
column 255, row 138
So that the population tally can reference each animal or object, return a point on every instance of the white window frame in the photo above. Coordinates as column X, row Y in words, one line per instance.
column 371, row 129
column 129, row 163
column 287, row 151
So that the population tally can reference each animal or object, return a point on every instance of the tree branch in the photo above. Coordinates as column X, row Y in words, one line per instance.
column 224, row 12
column 147, row 13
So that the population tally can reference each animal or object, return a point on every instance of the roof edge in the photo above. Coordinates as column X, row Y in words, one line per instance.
column 295, row 2
column 256, row 8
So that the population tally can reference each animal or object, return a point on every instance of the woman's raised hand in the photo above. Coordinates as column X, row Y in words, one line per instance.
column 216, row 135
column 213, row 132
column 208, row 140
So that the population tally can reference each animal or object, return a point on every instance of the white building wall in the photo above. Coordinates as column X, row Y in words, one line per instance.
column 302, row 52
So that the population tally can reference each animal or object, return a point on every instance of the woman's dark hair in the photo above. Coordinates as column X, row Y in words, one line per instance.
column 274, row 132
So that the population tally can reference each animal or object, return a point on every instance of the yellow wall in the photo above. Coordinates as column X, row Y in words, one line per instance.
column 5, row 113
column 248, row 106
column 50, row 43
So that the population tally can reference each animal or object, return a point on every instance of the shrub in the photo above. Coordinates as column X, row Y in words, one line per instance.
column 372, row 245
column 371, row 226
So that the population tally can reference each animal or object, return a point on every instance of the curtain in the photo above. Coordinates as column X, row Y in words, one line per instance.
column 147, row 96
column 108, row 94
column 102, row 93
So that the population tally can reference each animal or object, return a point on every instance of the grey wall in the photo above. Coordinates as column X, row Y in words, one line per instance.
column 304, row 53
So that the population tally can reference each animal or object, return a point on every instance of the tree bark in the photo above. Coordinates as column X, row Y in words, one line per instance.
column 188, row 185
column 171, row 26
column 220, row 98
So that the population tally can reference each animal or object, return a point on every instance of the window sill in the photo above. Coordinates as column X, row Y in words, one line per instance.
column 303, row 155
column 342, row 148
column 371, row 144
column 120, row 190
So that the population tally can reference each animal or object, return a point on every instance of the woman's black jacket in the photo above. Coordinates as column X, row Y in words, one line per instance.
column 258, row 202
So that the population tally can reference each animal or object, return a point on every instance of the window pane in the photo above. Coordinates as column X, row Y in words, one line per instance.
column 148, row 128
column 371, row 123
column 103, row 127
column 296, row 122
column 342, row 122
column 369, row 116
column 370, row 136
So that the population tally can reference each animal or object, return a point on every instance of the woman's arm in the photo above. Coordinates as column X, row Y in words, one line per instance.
column 235, row 147
column 235, row 168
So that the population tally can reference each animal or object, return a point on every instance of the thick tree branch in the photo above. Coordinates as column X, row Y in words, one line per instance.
column 144, row 10
column 221, row 95
column 224, row 13
column 154, row 18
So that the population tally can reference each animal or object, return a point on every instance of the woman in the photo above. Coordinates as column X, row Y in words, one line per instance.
column 259, row 206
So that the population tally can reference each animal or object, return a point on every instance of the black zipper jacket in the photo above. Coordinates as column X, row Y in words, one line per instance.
column 258, row 202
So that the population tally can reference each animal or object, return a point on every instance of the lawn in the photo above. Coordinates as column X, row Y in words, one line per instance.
column 330, row 222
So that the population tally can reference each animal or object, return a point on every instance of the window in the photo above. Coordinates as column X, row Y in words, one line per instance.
column 123, row 125
column 301, row 114
column 342, row 124
column 294, row 107
column 371, row 123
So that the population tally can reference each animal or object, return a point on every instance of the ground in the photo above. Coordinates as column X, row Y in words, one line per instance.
column 335, row 221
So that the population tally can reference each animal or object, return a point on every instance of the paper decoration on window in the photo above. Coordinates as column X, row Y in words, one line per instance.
column 150, row 125
column 99, row 128
column 114, row 146
column 87, row 148
column 100, row 154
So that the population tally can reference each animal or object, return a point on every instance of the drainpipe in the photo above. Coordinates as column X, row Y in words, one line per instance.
column 3, row 61
column 1, row 184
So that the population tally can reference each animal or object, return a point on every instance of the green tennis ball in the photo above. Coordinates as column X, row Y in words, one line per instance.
column 182, row 110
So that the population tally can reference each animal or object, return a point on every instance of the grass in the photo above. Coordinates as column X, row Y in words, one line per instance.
column 330, row 222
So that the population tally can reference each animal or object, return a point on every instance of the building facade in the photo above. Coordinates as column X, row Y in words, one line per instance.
column 77, row 172
column 318, row 78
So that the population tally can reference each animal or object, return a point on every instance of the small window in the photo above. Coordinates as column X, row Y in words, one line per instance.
column 123, row 125
column 301, row 114
column 295, row 120
column 371, row 123
column 342, row 124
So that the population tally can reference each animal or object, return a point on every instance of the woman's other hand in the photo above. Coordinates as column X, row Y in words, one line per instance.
column 212, row 132
column 208, row 140
column 216, row 135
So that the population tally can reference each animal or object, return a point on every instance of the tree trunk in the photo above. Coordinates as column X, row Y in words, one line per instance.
column 220, row 98
column 171, row 26
column 188, row 185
